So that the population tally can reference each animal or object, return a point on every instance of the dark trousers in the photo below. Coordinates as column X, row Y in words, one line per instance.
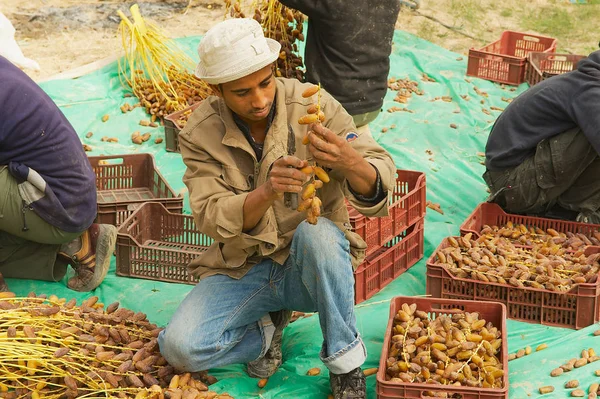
column 27, row 253
column 564, row 171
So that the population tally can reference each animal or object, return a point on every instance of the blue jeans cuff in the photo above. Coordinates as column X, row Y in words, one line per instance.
column 267, row 330
column 346, row 359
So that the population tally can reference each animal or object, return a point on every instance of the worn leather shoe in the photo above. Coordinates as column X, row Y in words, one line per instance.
column 351, row 385
column 267, row 365
column 92, row 260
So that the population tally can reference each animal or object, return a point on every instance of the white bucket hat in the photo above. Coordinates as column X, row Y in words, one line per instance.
column 233, row 49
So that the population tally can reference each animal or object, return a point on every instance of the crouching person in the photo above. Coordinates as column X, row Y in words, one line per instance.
column 267, row 260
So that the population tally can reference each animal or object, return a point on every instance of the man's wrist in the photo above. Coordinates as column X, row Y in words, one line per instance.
column 379, row 192
column 267, row 194
column 349, row 164
column 353, row 165
column 362, row 178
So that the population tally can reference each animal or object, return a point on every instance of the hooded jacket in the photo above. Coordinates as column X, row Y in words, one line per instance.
column 44, row 154
column 348, row 46
column 551, row 107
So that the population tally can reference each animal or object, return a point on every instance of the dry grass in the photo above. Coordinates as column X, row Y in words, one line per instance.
column 573, row 25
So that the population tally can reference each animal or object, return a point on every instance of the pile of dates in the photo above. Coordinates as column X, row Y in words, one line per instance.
column 459, row 349
column 499, row 260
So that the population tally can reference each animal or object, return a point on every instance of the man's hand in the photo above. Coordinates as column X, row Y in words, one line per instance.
column 334, row 152
column 285, row 176
column 330, row 150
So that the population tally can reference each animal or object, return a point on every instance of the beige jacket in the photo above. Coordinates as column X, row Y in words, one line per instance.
column 222, row 169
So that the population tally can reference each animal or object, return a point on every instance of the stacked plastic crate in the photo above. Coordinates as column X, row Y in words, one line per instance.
column 519, row 57
column 394, row 242
column 505, row 60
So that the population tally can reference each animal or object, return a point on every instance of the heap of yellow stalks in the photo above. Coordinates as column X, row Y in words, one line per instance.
column 156, row 69
column 53, row 349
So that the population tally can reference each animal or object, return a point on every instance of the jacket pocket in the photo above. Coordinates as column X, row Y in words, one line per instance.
column 235, row 178
column 358, row 246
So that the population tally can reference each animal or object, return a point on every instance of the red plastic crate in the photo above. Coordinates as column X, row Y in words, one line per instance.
column 578, row 308
column 172, row 128
column 124, row 182
column 407, row 206
column 490, row 311
column 155, row 244
column 390, row 261
column 505, row 60
column 541, row 66
column 491, row 214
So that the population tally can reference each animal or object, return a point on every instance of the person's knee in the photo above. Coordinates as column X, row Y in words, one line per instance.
column 320, row 238
column 322, row 249
column 176, row 349
column 182, row 351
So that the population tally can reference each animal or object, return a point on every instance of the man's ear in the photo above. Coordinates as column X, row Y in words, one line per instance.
column 216, row 89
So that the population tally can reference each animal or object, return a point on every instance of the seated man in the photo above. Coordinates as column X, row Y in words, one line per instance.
column 47, row 192
column 542, row 154
column 266, row 260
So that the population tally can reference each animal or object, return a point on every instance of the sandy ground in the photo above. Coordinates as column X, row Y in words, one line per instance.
column 65, row 34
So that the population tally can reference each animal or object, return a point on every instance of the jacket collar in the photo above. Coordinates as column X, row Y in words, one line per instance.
column 233, row 136
column 245, row 128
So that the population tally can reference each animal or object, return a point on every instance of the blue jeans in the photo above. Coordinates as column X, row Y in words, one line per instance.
column 224, row 321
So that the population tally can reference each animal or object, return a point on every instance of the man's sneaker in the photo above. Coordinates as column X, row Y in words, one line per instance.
column 588, row 217
column 92, row 260
column 351, row 385
column 267, row 365
column 3, row 285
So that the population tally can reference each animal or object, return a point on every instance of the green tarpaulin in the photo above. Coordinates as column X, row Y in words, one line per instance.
column 422, row 140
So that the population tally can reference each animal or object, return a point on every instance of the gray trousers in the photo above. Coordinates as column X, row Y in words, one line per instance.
column 564, row 171
column 27, row 253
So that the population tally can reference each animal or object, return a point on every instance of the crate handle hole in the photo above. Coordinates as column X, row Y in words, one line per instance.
column 428, row 395
column 112, row 161
column 531, row 39
column 557, row 58
column 493, row 58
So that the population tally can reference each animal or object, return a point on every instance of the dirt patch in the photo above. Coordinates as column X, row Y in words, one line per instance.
column 49, row 20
